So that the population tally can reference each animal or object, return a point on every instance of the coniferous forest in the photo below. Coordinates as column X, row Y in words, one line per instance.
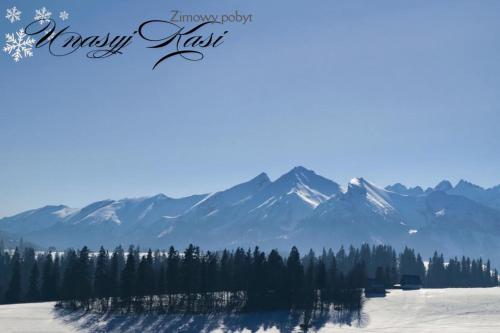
column 201, row 282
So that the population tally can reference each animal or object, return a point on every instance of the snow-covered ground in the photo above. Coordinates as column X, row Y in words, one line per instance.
column 430, row 310
column 438, row 310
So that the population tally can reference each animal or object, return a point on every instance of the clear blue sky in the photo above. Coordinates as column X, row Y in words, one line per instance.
column 389, row 90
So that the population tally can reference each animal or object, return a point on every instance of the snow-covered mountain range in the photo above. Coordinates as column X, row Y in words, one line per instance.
column 299, row 208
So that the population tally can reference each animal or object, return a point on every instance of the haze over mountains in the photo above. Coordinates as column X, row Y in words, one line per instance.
column 299, row 208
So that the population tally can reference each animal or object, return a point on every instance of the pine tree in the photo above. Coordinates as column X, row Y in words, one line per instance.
column 380, row 275
column 13, row 293
column 84, row 281
column 27, row 261
column 436, row 274
column 309, row 262
column 33, row 293
column 420, row 268
column 408, row 263
column 321, row 274
column 225, row 270
column 141, row 279
column 172, row 273
column 128, row 277
column 47, row 277
column 150, row 277
column 55, row 279
column 4, row 267
column 341, row 260
column 70, row 277
column 495, row 278
column 101, row 275
column 295, row 276
column 116, row 266
column 487, row 275
column 241, row 270
column 275, row 273
column 209, row 282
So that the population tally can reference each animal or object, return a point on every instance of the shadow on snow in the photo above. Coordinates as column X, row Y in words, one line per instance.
column 282, row 320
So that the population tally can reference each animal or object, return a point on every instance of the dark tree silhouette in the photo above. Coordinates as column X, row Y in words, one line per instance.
column 33, row 293
column 13, row 293
column 231, row 280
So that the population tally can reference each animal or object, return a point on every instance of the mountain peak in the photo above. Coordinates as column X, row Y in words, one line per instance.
column 466, row 184
column 359, row 185
column 300, row 168
column 361, row 189
column 297, row 175
column 261, row 177
column 443, row 186
column 398, row 188
column 306, row 184
column 358, row 181
column 403, row 189
column 159, row 197
column 49, row 208
column 356, row 186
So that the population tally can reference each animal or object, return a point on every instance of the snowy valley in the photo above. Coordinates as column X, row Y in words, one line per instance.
column 427, row 310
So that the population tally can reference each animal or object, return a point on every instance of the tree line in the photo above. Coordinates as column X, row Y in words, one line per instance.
column 238, row 280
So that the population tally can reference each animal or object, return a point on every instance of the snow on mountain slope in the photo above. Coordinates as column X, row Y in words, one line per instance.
column 380, row 199
column 141, row 211
column 298, row 208
column 291, row 197
column 489, row 197
column 229, row 198
column 102, row 222
column 313, row 189
column 365, row 213
column 35, row 219
column 365, row 199
column 268, row 209
column 261, row 194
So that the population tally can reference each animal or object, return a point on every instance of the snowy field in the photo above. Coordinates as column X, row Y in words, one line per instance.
column 438, row 310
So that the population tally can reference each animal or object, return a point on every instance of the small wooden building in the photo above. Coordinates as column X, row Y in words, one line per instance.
column 375, row 288
column 410, row 282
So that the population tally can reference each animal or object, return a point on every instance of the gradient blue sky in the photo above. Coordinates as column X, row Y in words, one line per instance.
column 389, row 90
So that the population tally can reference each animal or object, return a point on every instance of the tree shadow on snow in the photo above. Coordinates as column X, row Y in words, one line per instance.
column 131, row 323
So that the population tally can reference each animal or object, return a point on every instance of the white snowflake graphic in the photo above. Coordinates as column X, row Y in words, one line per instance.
column 42, row 15
column 64, row 15
column 13, row 14
column 18, row 45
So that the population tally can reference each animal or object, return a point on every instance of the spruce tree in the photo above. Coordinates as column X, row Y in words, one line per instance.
column 13, row 293
column 47, row 277
column 172, row 273
column 70, row 277
column 295, row 276
column 84, row 280
column 495, row 278
column 128, row 277
column 116, row 266
column 55, row 279
column 101, row 275
column 33, row 293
